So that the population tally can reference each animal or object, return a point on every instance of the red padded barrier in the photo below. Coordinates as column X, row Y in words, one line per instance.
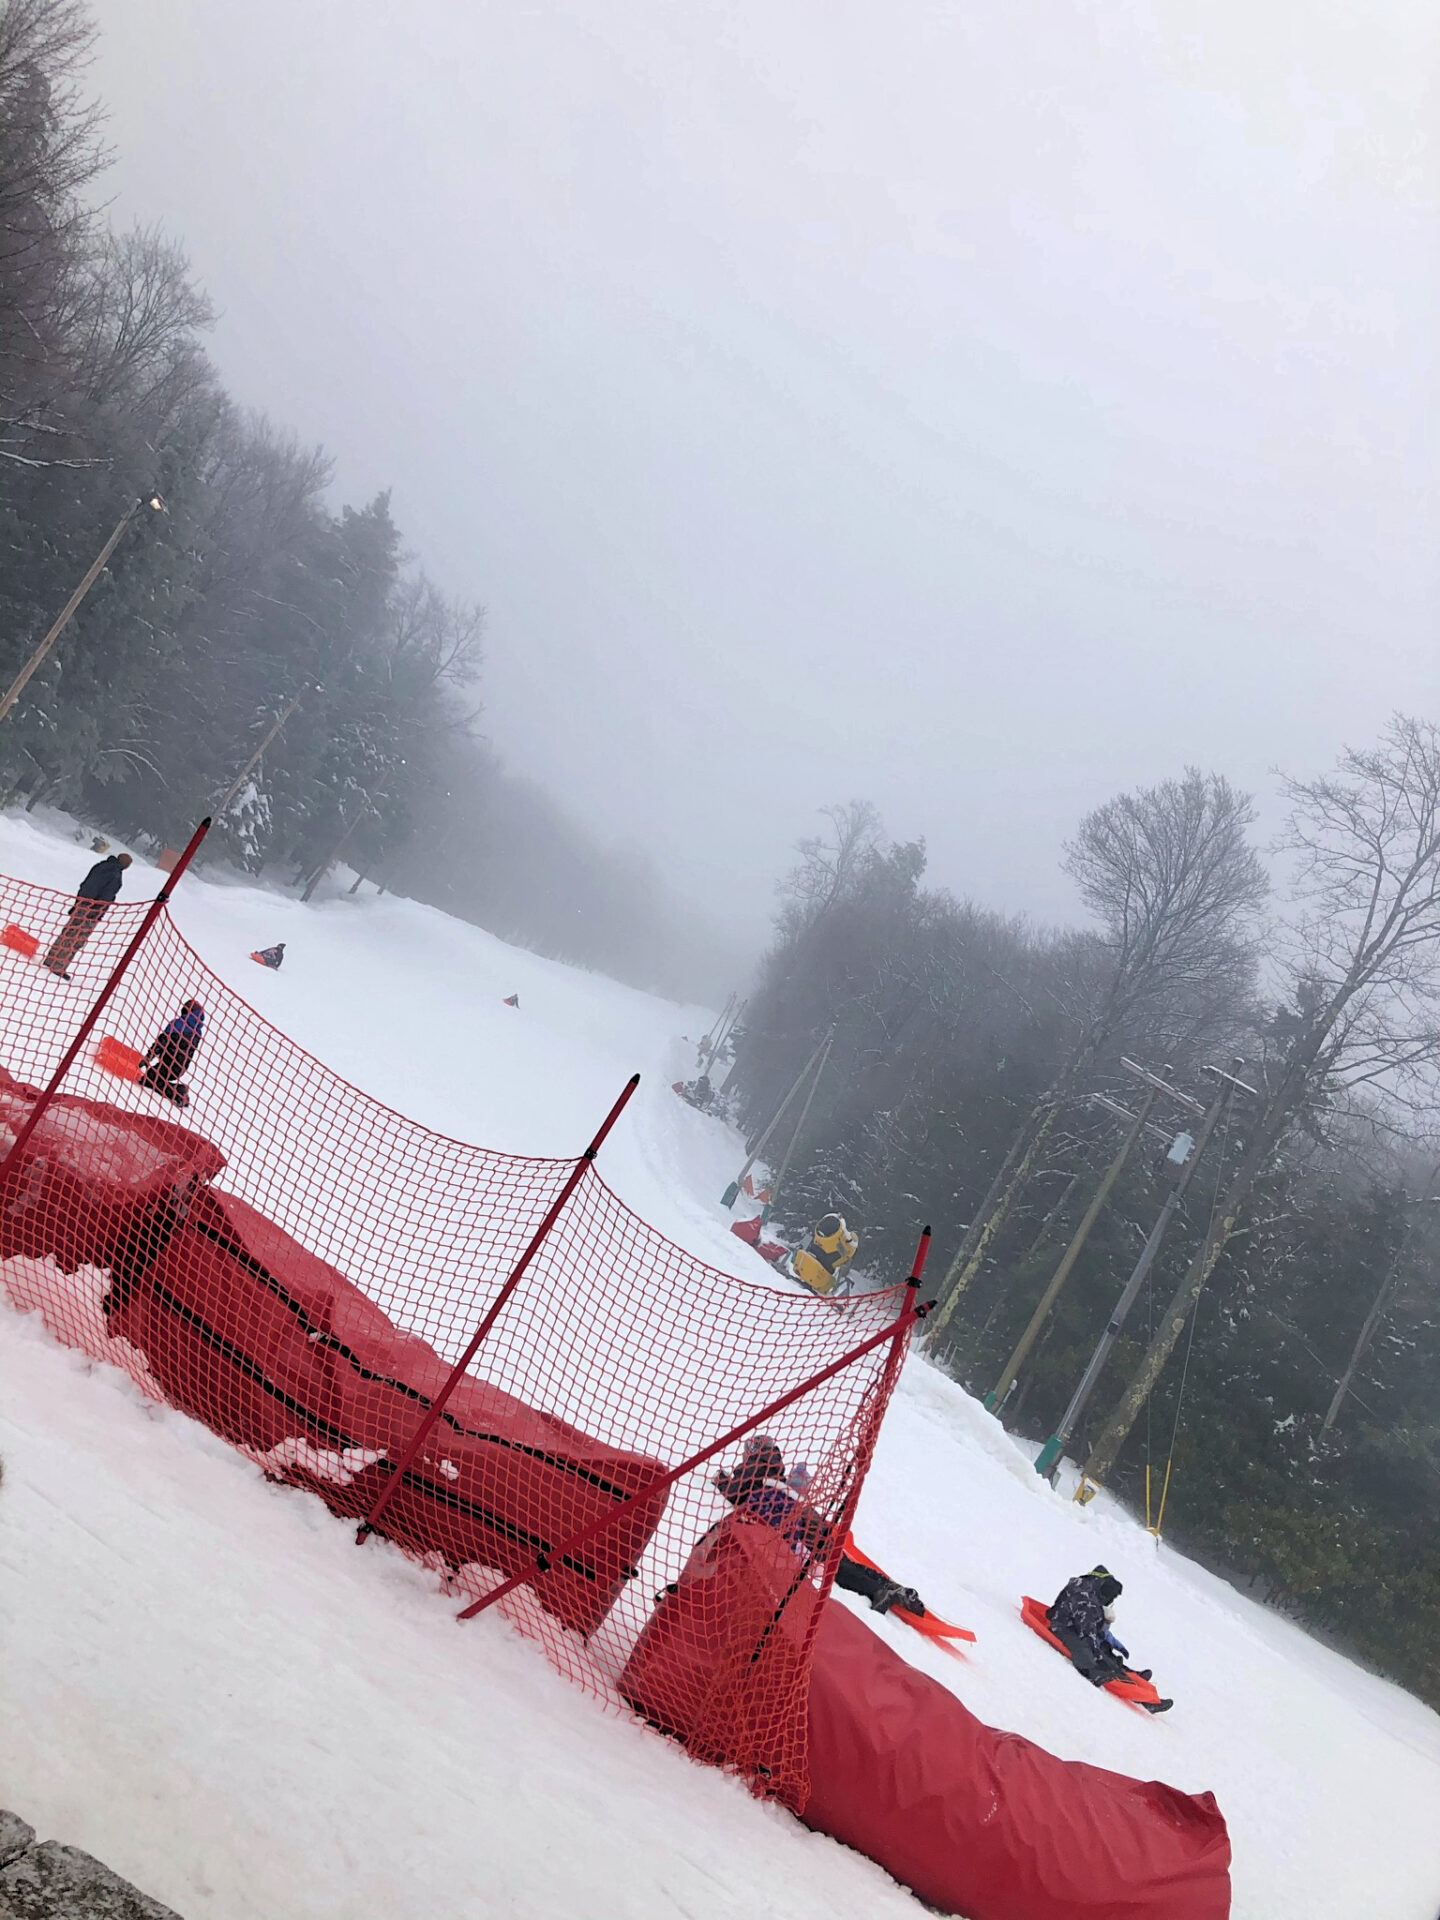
column 89, row 1175
column 987, row 1824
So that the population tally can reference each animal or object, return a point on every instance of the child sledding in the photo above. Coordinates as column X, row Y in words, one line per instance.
column 1078, row 1624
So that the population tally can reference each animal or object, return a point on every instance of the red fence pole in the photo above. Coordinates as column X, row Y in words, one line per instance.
column 437, row 1405
column 909, row 1314
column 87, row 1025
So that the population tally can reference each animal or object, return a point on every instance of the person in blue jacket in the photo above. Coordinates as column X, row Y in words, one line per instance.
column 171, row 1052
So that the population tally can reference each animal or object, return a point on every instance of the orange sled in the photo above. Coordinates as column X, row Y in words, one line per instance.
column 1131, row 1689
column 930, row 1624
column 115, row 1057
column 19, row 940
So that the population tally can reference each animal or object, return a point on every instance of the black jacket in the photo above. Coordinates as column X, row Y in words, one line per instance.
column 1079, row 1609
column 102, row 882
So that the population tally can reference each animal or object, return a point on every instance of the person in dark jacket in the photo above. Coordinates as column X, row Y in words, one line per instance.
column 760, row 1486
column 95, row 896
column 1080, row 1619
column 171, row 1052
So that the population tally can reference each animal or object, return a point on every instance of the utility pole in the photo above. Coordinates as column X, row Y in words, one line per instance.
column 250, row 765
column 97, row 566
column 1155, row 1086
column 334, row 854
column 988, row 1218
column 710, row 1045
column 728, row 1198
column 1050, row 1453
column 769, row 1206
column 1372, row 1319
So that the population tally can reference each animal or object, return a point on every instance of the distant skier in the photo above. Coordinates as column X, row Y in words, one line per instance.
column 513, row 1000
column 760, row 1486
column 171, row 1052
column 270, row 956
column 831, row 1248
column 94, row 898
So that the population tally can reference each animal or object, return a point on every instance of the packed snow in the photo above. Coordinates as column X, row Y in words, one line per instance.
column 206, row 1684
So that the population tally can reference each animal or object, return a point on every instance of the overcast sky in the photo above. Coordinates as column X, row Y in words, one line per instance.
column 979, row 408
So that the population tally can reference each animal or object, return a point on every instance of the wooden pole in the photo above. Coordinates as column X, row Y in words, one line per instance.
column 96, row 568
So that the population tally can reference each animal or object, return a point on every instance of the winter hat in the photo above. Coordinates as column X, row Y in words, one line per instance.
column 800, row 1477
column 1110, row 1589
column 762, row 1456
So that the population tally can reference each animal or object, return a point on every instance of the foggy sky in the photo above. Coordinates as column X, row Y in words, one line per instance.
column 977, row 408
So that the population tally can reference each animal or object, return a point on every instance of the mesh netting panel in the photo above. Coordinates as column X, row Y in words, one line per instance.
column 300, row 1267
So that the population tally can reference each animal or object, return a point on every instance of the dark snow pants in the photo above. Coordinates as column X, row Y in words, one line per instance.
column 1097, row 1663
column 855, row 1578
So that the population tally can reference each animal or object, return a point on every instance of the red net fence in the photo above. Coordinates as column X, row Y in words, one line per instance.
column 282, row 1257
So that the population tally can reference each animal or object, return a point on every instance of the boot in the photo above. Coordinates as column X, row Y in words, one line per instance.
column 889, row 1593
column 1157, row 1706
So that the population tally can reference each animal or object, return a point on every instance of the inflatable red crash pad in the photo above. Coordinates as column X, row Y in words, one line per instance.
column 90, row 1176
column 275, row 1349
column 984, row 1823
column 732, row 1631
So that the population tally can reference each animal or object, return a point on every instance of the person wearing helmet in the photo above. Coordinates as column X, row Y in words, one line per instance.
column 761, row 1487
column 1080, row 1619
column 832, row 1247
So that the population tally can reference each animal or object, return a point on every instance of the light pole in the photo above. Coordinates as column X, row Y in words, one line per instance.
column 17, row 686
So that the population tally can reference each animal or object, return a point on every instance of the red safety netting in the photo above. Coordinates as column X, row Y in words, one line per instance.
column 301, row 1268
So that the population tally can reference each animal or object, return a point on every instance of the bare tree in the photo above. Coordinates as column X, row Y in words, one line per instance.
column 829, row 865
column 131, row 316
column 1364, row 964
column 49, row 152
column 1170, row 875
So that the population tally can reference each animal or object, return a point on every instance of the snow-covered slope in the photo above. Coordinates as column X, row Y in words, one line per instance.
column 205, row 1683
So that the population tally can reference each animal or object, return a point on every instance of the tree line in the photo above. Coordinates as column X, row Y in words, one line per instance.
column 249, row 589
column 1282, row 1363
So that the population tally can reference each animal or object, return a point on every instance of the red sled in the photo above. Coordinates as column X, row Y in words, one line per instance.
column 749, row 1232
column 930, row 1624
column 115, row 1057
column 1132, row 1689
column 19, row 941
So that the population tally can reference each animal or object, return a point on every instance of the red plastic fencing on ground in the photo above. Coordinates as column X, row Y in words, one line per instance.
column 301, row 1268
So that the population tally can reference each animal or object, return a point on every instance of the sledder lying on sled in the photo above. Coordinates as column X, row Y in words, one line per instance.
column 760, row 1487
column 1078, row 1625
